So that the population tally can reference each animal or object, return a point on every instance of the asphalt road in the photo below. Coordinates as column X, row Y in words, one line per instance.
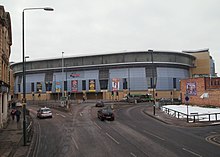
column 81, row 134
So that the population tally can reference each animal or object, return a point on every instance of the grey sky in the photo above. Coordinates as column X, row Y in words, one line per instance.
column 84, row 27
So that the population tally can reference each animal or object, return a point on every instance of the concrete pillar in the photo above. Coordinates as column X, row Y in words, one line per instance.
column 5, row 106
column 1, row 122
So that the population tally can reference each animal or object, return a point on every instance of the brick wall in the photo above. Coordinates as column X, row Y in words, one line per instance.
column 214, row 94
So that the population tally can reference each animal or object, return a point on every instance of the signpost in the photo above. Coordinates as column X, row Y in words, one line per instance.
column 187, row 105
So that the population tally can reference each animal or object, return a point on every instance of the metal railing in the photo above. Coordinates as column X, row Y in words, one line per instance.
column 193, row 117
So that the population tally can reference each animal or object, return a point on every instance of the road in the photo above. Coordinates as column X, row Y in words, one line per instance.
column 80, row 133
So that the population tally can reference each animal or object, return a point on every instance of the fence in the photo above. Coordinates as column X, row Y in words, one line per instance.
column 192, row 117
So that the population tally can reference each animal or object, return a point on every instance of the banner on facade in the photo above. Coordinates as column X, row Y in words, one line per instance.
column 191, row 88
column 92, row 86
column 58, row 87
column 115, row 84
column 39, row 87
column 74, row 85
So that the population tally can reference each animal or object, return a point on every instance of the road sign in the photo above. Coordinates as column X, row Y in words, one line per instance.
column 187, row 98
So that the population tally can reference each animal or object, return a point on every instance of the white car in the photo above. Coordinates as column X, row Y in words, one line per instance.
column 44, row 113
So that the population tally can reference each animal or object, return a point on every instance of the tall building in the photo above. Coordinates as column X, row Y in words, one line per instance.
column 5, row 51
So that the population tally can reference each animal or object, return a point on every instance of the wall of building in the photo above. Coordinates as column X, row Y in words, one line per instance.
column 201, row 86
column 5, row 51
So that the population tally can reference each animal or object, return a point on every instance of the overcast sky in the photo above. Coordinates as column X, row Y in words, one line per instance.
column 84, row 27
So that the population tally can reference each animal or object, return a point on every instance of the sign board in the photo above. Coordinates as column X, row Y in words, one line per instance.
column 187, row 98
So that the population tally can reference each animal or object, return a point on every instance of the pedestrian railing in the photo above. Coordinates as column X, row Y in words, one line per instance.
column 192, row 117
column 29, row 129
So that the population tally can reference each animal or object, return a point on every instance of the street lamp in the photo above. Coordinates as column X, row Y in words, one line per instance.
column 62, row 76
column 152, row 61
column 24, row 77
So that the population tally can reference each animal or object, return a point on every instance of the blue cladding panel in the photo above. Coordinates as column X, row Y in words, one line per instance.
column 137, row 77
column 165, row 77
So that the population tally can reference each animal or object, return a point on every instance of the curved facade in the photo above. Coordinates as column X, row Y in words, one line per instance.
column 96, row 76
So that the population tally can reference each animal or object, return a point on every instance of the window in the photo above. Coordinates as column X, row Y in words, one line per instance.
column 83, row 84
column 65, row 85
column 103, row 84
column 48, row 86
column 32, row 87
column 125, row 83
column 19, row 88
column 174, row 83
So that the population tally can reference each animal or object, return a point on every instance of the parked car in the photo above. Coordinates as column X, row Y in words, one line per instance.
column 44, row 113
column 106, row 114
column 133, row 98
column 165, row 101
column 99, row 104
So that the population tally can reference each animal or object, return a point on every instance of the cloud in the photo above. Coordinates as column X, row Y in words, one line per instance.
column 100, row 26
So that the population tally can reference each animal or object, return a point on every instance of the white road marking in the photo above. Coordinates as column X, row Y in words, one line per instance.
column 70, row 114
column 97, row 125
column 189, row 151
column 112, row 138
column 63, row 116
column 81, row 113
column 132, row 154
column 154, row 135
column 75, row 143
column 57, row 114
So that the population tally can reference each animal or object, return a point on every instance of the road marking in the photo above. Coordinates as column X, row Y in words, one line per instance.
column 132, row 154
column 112, row 138
column 97, row 125
column 70, row 114
column 189, row 151
column 81, row 113
column 75, row 143
column 63, row 116
column 212, row 139
column 154, row 135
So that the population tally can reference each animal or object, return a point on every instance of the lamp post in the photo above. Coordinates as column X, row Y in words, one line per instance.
column 152, row 61
column 24, row 77
column 62, row 76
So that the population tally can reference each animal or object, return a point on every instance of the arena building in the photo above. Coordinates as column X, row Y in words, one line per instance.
column 109, row 76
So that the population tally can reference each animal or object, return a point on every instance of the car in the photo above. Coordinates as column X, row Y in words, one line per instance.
column 165, row 101
column 44, row 112
column 106, row 114
column 18, row 104
column 132, row 98
column 99, row 104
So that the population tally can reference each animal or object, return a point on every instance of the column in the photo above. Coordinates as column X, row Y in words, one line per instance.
column 1, row 123
column 5, row 106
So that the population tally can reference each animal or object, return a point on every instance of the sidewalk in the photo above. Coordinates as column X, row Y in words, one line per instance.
column 168, row 119
column 11, row 141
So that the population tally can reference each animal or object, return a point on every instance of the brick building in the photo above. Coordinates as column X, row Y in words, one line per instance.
column 202, row 91
column 5, row 51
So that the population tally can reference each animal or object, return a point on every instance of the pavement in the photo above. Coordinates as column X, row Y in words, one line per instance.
column 11, row 137
column 168, row 119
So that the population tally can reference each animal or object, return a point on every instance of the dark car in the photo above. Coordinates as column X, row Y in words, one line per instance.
column 165, row 101
column 99, row 104
column 106, row 114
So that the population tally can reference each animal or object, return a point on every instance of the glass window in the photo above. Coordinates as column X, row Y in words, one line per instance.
column 103, row 84
column 83, row 84
column 174, row 83
column 32, row 87
column 65, row 85
column 48, row 86
column 125, row 83
column 19, row 88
